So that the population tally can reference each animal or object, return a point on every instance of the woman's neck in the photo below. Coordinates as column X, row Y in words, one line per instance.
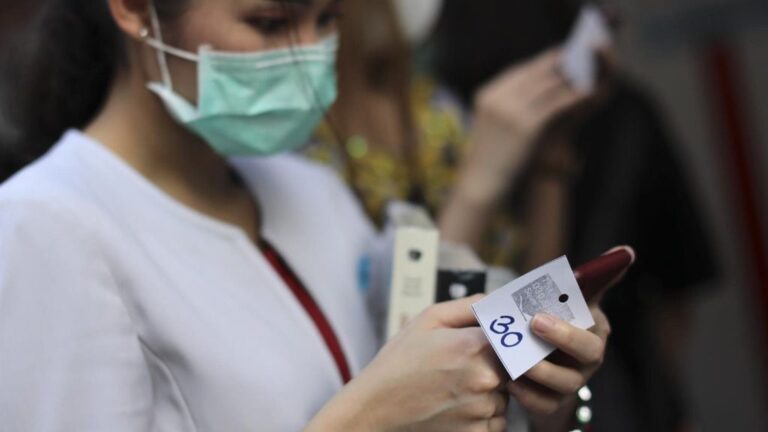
column 136, row 127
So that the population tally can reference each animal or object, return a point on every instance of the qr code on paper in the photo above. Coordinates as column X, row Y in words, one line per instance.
column 542, row 296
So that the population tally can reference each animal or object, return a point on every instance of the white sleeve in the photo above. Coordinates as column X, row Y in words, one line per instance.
column 70, row 359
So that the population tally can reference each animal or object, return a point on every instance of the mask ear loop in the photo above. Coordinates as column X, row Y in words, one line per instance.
column 164, row 72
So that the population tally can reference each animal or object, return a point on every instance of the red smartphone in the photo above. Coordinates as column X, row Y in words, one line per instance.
column 598, row 275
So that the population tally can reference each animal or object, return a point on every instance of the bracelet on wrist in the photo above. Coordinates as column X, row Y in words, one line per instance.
column 582, row 421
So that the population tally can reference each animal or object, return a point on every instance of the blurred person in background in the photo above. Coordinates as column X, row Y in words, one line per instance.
column 158, row 271
column 396, row 134
column 616, row 178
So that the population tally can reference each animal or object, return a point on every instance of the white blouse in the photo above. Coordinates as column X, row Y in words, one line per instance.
column 123, row 310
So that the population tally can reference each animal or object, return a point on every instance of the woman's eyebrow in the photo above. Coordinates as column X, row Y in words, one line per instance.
column 290, row 5
column 301, row 2
column 290, row 2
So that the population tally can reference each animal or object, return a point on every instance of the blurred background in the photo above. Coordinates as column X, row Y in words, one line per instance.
column 704, row 66
column 706, row 61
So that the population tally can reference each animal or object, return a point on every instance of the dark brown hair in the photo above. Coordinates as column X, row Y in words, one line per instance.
column 475, row 40
column 76, row 53
column 375, row 57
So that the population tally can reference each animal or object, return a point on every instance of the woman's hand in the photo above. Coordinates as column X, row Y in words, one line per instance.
column 547, row 391
column 511, row 112
column 511, row 115
column 437, row 374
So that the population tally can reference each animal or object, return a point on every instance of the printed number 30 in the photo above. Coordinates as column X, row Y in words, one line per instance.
column 501, row 327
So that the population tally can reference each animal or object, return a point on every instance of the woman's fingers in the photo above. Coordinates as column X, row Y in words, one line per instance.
column 487, row 406
column 488, row 376
column 527, row 82
column 533, row 398
column 452, row 314
column 497, row 424
column 561, row 379
column 519, row 73
column 547, row 63
column 558, row 100
column 586, row 347
column 547, row 57
column 602, row 326
column 501, row 401
column 491, row 366
column 539, row 90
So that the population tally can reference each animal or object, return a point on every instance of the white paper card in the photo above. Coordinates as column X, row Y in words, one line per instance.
column 505, row 315
column 590, row 34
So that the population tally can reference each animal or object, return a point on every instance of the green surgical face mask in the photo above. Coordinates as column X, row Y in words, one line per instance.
column 261, row 103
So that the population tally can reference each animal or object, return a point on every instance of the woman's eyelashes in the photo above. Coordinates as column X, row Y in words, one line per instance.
column 277, row 24
column 271, row 25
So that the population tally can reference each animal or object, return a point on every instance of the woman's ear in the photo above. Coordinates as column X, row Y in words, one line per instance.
column 131, row 16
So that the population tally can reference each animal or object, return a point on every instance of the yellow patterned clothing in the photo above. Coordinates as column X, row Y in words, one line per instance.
column 380, row 176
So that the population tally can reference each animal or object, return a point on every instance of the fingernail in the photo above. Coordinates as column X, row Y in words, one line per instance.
column 544, row 323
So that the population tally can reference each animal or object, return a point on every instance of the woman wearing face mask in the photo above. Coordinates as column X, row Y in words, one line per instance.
column 153, row 277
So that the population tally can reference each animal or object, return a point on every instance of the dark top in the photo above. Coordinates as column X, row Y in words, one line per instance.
column 633, row 190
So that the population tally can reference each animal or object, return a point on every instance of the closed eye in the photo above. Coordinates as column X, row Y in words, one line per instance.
column 272, row 25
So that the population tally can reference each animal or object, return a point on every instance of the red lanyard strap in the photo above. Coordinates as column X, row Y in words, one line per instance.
column 309, row 304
